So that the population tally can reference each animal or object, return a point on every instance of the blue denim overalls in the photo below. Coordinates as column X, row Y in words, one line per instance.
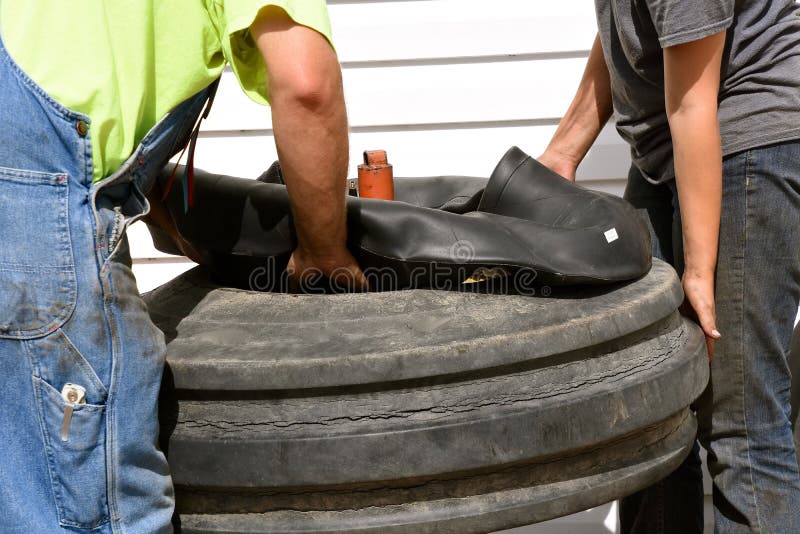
column 80, row 360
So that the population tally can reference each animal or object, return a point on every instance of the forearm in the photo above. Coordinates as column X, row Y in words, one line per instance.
column 589, row 111
column 698, row 175
column 692, row 74
column 313, row 150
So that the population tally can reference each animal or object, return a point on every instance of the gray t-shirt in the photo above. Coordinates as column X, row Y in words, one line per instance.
column 759, row 98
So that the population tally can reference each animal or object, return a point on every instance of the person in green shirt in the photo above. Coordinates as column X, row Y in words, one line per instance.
column 95, row 98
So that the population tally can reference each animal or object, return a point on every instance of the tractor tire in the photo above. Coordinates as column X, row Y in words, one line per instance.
column 421, row 411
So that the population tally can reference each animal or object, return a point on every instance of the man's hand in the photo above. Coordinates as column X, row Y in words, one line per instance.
column 310, row 125
column 338, row 266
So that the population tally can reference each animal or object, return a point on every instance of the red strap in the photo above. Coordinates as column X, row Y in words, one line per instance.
column 172, row 176
column 189, row 173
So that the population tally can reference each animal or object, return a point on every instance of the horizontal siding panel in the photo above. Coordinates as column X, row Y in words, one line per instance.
column 429, row 94
column 483, row 92
column 424, row 30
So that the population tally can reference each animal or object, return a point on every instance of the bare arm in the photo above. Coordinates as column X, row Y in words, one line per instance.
column 589, row 112
column 692, row 77
column 310, row 125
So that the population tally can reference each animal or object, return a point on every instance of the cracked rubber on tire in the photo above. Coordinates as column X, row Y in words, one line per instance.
column 420, row 411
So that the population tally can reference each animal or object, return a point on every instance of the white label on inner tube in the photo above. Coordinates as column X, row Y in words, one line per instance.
column 611, row 235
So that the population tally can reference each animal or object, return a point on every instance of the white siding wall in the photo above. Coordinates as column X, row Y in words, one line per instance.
column 463, row 78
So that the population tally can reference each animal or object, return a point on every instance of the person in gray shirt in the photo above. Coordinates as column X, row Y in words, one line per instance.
column 707, row 94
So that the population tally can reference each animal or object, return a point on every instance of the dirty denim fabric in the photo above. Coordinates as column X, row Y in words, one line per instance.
column 744, row 415
column 71, row 313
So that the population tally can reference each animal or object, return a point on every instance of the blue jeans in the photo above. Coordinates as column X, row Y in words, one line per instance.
column 744, row 415
column 80, row 359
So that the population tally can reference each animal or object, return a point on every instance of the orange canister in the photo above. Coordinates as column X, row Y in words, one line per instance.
column 375, row 176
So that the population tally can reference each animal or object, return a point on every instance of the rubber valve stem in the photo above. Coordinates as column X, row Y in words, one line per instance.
column 375, row 176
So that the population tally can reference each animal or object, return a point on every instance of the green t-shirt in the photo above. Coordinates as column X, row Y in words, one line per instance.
column 126, row 63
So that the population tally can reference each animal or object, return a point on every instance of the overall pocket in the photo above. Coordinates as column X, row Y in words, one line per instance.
column 75, row 440
column 37, row 271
